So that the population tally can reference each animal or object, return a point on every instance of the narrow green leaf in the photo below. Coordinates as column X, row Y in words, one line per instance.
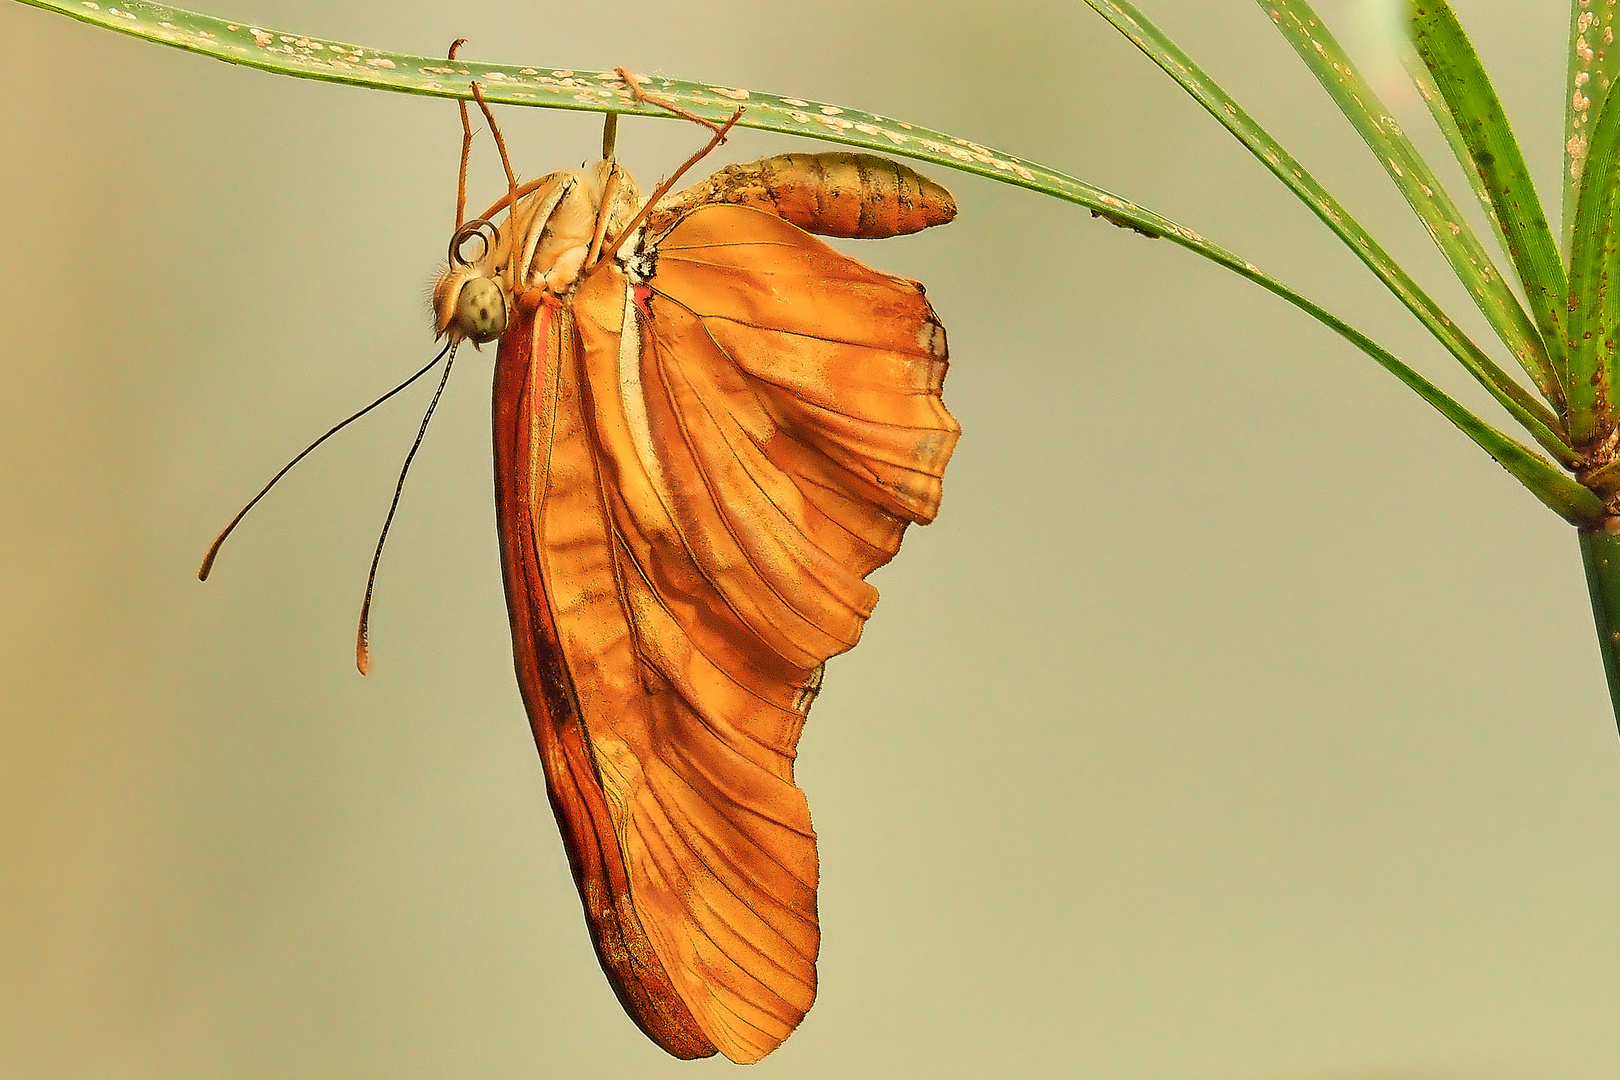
column 1608, row 356
column 1468, row 93
column 1558, row 491
column 1425, row 194
column 1593, row 63
column 1518, row 401
column 1592, row 256
column 308, row 57
column 1448, row 127
column 301, row 56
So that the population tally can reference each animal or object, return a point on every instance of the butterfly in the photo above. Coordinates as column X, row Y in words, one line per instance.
column 709, row 428
column 704, row 442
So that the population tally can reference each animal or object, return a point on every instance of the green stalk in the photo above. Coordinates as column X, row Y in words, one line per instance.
column 1600, row 553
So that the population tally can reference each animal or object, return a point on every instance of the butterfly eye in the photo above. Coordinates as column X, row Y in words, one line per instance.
column 481, row 310
column 469, row 231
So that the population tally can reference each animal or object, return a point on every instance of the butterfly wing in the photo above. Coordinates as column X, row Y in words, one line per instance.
column 538, row 472
column 695, row 489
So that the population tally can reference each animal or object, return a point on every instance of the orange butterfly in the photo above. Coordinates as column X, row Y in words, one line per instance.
column 709, row 428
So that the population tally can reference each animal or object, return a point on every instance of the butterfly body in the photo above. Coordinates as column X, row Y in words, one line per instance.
column 703, row 444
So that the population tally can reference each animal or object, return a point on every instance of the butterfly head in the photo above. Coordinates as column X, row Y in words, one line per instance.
column 469, row 300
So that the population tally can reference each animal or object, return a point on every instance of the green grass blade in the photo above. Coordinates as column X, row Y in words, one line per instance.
column 1558, row 491
column 1518, row 401
column 1424, row 193
column 1593, row 63
column 1592, row 255
column 1454, row 139
column 308, row 57
column 1495, row 154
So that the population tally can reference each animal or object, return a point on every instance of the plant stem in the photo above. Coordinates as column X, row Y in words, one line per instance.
column 1600, row 553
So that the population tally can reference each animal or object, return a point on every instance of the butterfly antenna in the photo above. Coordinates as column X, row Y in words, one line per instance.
column 362, row 651
column 213, row 549
column 466, row 145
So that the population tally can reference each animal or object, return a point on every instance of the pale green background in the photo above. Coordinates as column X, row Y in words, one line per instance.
column 1237, row 720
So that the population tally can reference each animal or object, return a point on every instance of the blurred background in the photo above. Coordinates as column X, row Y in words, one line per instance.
column 1237, row 720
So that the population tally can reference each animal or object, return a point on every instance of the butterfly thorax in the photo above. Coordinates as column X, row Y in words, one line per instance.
column 543, row 244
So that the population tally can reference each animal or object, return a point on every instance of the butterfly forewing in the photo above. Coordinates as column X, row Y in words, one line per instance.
column 534, row 354
column 698, row 460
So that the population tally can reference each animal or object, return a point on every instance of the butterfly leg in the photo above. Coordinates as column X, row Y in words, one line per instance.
column 610, row 192
column 720, row 133
column 511, row 180
column 644, row 98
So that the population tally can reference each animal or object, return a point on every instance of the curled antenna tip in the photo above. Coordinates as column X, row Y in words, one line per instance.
column 362, row 653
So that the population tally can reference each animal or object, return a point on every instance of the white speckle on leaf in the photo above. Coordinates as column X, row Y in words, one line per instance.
column 381, row 62
column 785, row 101
column 734, row 95
column 830, row 110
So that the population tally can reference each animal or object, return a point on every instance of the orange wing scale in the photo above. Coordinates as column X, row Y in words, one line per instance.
column 694, row 475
